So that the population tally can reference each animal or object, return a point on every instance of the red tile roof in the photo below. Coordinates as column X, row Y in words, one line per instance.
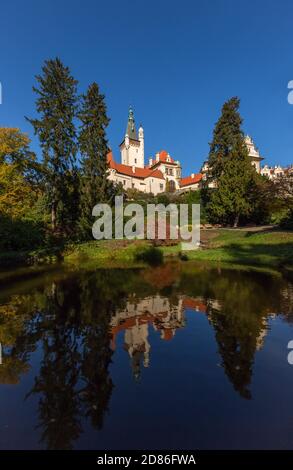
column 130, row 322
column 191, row 180
column 194, row 304
column 163, row 155
column 128, row 170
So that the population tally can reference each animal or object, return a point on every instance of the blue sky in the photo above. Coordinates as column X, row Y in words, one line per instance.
column 176, row 62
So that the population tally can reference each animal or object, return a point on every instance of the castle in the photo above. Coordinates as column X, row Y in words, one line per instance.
column 163, row 173
column 277, row 171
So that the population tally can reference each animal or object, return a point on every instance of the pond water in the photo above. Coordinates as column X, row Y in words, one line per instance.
column 179, row 356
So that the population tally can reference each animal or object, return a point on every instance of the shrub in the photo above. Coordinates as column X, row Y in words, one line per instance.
column 150, row 255
column 287, row 221
column 20, row 235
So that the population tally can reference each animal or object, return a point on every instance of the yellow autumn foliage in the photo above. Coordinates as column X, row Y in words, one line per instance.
column 11, row 141
column 16, row 195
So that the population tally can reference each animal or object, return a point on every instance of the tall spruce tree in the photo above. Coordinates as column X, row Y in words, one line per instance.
column 226, row 135
column 56, row 105
column 95, row 186
column 230, row 169
column 232, row 198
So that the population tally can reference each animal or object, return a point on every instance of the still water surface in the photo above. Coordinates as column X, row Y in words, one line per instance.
column 179, row 356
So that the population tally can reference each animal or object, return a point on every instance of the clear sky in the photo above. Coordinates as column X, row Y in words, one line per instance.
column 176, row 62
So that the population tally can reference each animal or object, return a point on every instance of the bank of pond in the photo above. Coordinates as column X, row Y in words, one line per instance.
column 269, row 247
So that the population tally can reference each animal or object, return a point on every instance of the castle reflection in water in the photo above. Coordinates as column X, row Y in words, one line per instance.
column 165, row 317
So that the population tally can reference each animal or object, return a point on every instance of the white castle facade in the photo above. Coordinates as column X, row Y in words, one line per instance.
column 161, row 174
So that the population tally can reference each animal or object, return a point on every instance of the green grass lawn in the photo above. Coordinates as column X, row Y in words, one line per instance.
column 269, row 248
column 272, row 248
column 107, row 252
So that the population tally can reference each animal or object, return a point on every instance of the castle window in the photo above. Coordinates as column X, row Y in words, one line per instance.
column 161, row 186
column 171, row 171
column 124, row 182
column 135, row 160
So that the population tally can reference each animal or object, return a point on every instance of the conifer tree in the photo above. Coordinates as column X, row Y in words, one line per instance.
column 226, row 135
column 230, row 169
column 235, row 186
column 93, row 145
column 56, row 105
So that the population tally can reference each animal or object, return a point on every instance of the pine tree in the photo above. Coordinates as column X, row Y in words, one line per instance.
column 230, row 168
column 95, row 186
column 226, row 134
column 233, row 196
column 57, row 105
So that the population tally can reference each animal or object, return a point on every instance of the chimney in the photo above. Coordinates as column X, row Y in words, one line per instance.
column 192, row 175
column 157, row 157
column 150, row 161
column 133, row 168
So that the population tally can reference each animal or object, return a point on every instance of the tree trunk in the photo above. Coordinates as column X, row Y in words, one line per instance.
column 236, row 221
column 53, row 216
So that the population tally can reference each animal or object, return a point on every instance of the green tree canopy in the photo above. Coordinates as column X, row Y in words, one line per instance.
column 227, row 133
column 95, row 186
column 56, row 105
column 230, row 169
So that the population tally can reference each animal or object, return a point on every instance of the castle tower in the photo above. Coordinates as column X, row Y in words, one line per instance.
column 253, row 153
column 132, row 147
column 141, row 147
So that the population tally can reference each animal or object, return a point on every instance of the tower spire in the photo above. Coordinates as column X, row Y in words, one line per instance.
column 130, row 130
